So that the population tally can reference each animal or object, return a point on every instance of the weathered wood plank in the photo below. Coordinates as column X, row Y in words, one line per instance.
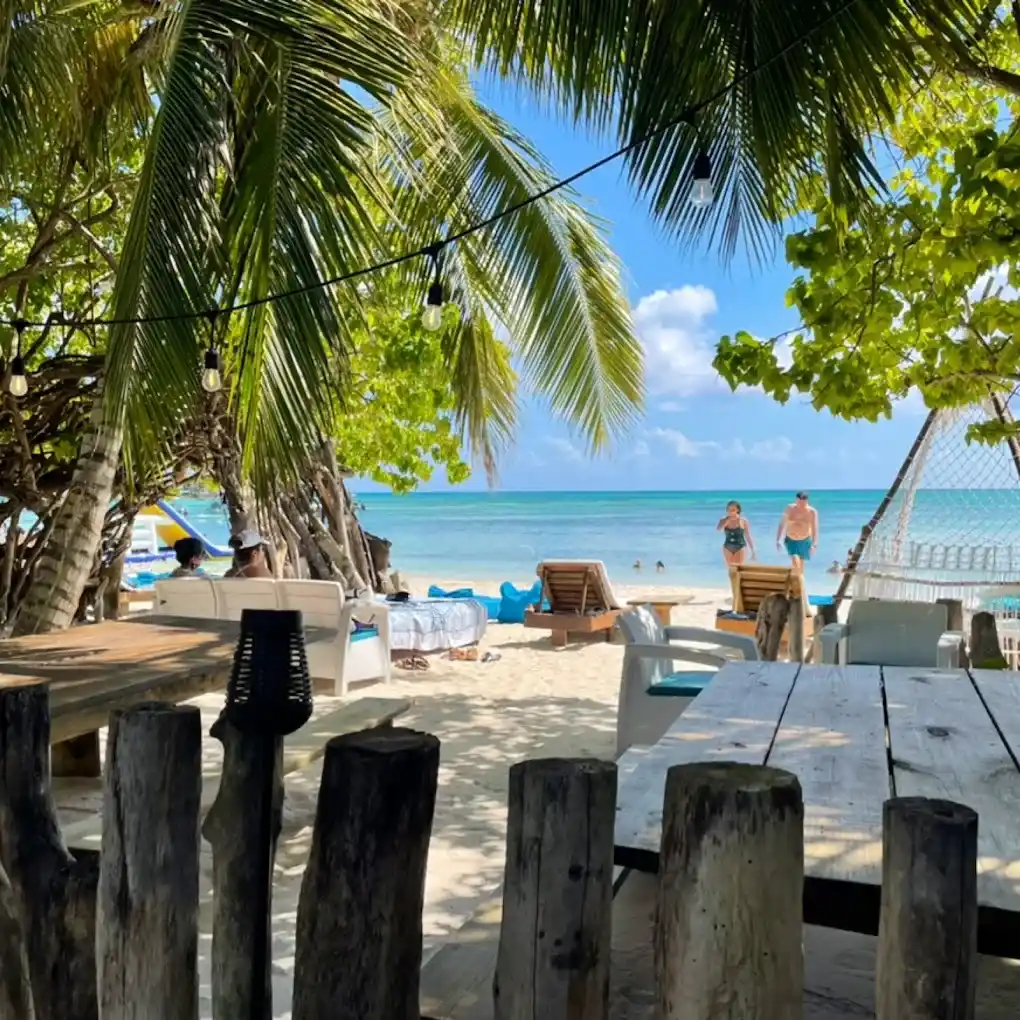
column 735, row 719
column 1000, row 690
column 944, row 745
column 832, row 737
column 300, row 749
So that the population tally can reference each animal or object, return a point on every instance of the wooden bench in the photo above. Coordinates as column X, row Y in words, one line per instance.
column 456, row 981
column 300, row 749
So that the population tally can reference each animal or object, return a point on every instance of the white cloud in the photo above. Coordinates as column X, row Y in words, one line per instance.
column 564, row 449
column 678, row 345
column 640, row 449
column 777, row 450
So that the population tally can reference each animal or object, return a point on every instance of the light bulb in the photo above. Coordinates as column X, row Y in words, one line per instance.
column 17, row 386
column 702, row 192
column 432, row 318
column 212, row 381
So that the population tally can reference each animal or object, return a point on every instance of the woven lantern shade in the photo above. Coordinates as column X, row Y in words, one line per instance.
column 270, row 691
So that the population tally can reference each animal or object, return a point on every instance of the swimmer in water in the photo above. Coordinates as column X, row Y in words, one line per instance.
column 637, row 564
column 660, row 567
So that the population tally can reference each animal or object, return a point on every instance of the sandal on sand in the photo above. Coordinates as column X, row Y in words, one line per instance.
column 491, row 657
column 414, row 662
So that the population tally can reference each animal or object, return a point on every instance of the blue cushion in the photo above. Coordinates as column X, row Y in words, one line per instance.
column 681, row 685
column 516, row 601
column 435, row 592
column 362, row 633
column 821, row 600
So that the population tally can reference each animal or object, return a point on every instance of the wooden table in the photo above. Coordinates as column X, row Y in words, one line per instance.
column 663, row 605
column 952, row 734
column 96, row 668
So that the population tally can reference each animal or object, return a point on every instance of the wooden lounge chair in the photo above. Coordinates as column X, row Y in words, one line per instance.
column 580, row 598
column 751, row 583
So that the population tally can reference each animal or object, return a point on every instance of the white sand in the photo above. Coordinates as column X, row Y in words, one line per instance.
column 535, row 701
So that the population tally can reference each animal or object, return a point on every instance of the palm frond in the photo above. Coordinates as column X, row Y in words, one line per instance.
column 639, row 64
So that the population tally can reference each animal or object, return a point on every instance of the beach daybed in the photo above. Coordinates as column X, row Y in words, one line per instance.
column 359, row 648
column 436, row 625
column 751, row 583
column 653, row 693
column 580, row 599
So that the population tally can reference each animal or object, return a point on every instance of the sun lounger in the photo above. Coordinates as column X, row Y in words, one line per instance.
column 580, row 597
column 751, row 583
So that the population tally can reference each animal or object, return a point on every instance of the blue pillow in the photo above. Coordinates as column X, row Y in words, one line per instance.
column 516, row 601
column 435, row 592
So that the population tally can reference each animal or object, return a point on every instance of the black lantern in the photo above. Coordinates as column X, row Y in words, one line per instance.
column 269, row 695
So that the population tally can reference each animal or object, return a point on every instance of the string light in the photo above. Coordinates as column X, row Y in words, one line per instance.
column 703, row 188
column 432, row 315
column 17, row 385
column 703, row 193
column 212, row 381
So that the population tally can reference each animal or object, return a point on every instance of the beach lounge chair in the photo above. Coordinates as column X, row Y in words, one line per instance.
column 880, row 632
column 580, row 597
column 653, row 693
column 751, row 583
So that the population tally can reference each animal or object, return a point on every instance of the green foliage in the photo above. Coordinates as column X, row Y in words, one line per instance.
column 397, row 423
column 919, row 292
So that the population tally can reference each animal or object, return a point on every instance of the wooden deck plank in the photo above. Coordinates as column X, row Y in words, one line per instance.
column 735, row 719
column 300, row 749
column 944, row 744
column 832, row 737
column 1000, row 690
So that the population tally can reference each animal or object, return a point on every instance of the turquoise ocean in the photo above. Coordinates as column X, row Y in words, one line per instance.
column 502, row 535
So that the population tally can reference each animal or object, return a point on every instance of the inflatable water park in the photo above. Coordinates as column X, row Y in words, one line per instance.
column 155, row 531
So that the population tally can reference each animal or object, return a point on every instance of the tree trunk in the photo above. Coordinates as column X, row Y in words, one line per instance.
column 773, row 614
column 15, row 984
column 985, row 650
column 66, row 563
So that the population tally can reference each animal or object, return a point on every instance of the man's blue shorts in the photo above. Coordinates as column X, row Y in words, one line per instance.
column 800, row 547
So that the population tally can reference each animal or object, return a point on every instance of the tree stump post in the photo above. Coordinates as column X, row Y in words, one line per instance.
column 233, row 830
column 15, row 983
column 731, row 880
column 556, row 932
column 773, row 614
column 985, row 650
column 359, row 928
column 797, row 626
column 52, row 892
column 927, row 935
column 147, row 930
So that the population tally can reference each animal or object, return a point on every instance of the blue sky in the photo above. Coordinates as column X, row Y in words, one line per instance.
column 696, row 434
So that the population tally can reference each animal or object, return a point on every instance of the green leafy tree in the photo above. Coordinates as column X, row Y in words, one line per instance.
column 921, row 291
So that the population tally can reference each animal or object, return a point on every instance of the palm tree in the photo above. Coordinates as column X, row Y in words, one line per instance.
column 262, row 177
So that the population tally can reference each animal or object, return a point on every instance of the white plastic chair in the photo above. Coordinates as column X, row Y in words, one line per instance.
column 348, row 657
column 234, row 595
column 190, row 597
column 652, row 694
column 883, row 632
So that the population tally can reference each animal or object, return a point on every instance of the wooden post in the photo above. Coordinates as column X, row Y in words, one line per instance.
column 233, row 830
column 797, row 625
column 985, row 650
column 773, row 614
column 731, row 880
column 359, row 927
column 927, row 934
column 52, row 892
column 15, row 983
column 554, row 941
column 147, row 925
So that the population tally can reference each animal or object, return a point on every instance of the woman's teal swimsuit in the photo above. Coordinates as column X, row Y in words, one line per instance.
column 735, row 539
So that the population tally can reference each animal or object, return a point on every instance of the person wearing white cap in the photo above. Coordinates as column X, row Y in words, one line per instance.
column 249, row 556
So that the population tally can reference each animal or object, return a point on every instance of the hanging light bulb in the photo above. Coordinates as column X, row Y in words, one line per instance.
column 212, row 381
column 17, row 385
column 432, row 316
column 702, row 192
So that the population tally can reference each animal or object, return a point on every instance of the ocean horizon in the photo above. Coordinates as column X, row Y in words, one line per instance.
column 503, row 535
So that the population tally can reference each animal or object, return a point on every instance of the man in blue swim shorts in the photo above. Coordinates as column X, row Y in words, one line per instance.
column 798, row 531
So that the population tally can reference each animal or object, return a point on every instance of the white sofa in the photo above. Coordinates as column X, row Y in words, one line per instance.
column 349, row 655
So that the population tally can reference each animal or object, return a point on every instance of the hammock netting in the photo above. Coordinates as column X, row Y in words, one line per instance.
column 951, row 529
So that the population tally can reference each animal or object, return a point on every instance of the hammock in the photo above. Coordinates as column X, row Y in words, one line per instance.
column 949, row 526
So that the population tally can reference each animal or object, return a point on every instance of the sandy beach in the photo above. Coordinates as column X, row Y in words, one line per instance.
column 534, row 701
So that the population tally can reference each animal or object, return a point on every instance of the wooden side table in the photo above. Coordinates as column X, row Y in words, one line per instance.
column 663, row 605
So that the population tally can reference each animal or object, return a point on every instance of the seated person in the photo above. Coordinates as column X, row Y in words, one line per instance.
column 189, row 552
column 249, row 556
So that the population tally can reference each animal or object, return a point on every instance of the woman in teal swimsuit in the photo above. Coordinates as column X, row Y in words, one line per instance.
column 737, row 535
